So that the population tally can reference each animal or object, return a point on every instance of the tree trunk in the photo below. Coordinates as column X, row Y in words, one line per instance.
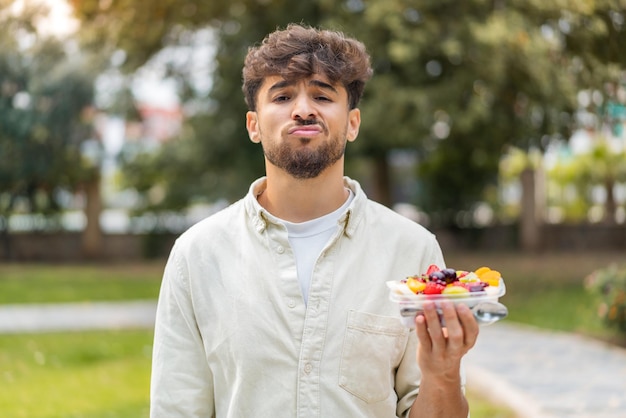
column 382, row 180
column 92, row 235
column 610, row 206
column 4, row 236
column 530, row 219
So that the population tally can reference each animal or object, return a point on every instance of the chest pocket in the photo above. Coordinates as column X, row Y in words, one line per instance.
column 372, row 349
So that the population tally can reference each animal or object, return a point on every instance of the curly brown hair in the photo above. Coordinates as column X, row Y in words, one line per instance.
column 298, row 52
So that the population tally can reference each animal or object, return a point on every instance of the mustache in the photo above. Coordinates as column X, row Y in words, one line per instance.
column 305, row 122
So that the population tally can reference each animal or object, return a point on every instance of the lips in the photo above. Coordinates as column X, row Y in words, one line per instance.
column 305, row 130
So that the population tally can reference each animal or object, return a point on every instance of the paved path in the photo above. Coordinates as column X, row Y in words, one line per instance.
column 76, row 316
column 543, row 374
column 538, row 374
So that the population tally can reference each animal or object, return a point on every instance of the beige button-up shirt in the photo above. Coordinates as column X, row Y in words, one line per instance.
column 234, row 338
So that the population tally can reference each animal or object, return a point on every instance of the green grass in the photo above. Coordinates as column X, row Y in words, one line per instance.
column 37, row 283
column 76, row 375
column 480, row 407
column 72, row 375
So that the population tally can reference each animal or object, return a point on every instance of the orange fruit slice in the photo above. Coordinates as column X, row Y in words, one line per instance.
column 480, row 271
column 415, row 285
column 492, row 277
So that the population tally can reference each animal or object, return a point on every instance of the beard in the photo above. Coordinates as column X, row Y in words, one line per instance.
column 305, row 163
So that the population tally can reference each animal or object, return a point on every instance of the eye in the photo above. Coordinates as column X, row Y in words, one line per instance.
column 323, row 99
column 280, row 98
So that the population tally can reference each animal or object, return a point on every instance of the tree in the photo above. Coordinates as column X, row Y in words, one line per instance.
column 460, row 83
column 601, row 167
column 44, row 101
column 454, row 82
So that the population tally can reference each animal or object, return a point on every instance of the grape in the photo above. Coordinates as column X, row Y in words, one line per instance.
column 449, row 275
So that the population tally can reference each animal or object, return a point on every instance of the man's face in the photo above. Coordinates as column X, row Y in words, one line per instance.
column 303, row 125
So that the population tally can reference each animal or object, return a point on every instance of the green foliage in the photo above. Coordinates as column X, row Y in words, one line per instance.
column 609, row 286
column 205, row 164
column 604, row 164
column 580, row 173
column 45, row 99
column 143, row 28
column 458, row 84
column 455, row 83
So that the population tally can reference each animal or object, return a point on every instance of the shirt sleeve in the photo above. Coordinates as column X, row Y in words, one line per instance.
column 181, row 381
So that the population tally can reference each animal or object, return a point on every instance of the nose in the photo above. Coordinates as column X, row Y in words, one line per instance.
column 303, row 108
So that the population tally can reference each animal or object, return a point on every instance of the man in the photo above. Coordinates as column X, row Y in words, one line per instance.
column 277, row 306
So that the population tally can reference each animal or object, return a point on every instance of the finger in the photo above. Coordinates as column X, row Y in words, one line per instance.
column 453, row 329
column 449, row 315
column 422, row 332
column 469, row 324
column 433, row 325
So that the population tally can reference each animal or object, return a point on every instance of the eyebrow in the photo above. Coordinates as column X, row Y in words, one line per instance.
column 317, row 83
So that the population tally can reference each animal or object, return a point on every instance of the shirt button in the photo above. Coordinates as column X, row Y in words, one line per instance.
column 280, row 249
column 308, row 368
column 291, row 303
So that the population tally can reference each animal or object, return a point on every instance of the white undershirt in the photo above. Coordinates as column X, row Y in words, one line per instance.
column 309, row 238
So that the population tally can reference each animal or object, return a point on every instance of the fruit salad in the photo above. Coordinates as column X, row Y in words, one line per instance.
column 451, row 282
column 479, row 289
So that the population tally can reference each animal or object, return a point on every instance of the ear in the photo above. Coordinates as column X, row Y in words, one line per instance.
column 252, row 125
column 354, row 122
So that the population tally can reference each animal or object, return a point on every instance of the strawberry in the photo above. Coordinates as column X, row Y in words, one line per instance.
column 432, row 268
column 433, row 288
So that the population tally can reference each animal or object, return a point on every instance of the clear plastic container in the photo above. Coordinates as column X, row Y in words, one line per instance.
column 483, row 303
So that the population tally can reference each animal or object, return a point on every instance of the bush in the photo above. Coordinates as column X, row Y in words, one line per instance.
column 609, row 284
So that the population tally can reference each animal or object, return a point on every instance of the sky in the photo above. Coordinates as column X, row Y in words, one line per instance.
column 59, row 21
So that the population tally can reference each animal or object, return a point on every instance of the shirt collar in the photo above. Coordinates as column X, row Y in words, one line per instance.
column 260, row 217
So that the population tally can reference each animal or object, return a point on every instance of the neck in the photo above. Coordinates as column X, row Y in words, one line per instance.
column 297, row 200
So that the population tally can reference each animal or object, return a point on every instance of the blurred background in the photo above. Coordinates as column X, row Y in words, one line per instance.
column 492, row 121
column 499, row 125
